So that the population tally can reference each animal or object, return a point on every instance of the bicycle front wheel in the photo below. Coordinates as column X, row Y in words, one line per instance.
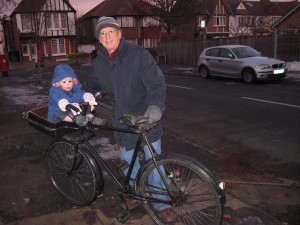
column 192, row 197
column 73, row 172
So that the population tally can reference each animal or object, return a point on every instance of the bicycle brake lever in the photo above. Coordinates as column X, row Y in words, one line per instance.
column 128, row 119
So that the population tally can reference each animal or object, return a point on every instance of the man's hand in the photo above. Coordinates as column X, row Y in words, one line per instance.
column 153, row 113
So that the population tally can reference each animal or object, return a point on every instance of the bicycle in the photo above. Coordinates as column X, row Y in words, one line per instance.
column 192, row 193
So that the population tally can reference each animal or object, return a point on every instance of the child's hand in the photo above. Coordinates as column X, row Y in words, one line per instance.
column 92, row 104
column 88, row 97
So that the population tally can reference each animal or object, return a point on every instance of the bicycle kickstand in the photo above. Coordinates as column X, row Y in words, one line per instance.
column 125, row 213
column 123, row 216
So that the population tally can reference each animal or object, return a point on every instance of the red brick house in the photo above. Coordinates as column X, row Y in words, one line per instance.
column 290, row 20
column 255, row 17
column 135, row 17
column 42, row 28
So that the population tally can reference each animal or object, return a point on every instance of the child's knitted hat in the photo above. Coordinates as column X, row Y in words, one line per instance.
column 62, row 71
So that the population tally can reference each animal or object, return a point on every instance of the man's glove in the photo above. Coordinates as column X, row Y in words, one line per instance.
column 88, row 97
column 153, row 113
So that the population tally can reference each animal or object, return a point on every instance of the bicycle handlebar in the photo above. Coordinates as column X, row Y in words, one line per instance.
column 138, row 122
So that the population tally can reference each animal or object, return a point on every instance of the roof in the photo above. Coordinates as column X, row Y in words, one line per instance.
column 286, row 15
column 120, row 8
column 31, row 6
column 258, row 8
column 228, row 46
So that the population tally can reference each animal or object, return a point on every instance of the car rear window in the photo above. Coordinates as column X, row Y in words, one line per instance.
column 212, row 52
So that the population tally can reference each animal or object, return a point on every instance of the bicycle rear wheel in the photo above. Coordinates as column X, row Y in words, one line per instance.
column 195, row 197
column 73, row 173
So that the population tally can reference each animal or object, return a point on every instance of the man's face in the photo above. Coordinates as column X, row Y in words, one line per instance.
column 110, row 38
column 66, row 84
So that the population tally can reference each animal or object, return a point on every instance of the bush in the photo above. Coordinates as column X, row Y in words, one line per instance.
column 77, row 54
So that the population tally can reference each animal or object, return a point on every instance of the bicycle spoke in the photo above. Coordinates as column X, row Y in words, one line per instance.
column 194, row 199
column 72, row 173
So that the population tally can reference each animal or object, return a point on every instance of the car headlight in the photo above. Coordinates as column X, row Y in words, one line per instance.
column 263, row 66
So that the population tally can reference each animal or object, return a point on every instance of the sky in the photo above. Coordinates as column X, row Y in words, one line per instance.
column 83, row 6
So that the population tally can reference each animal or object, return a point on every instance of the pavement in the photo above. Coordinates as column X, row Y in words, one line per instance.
column 237, row 212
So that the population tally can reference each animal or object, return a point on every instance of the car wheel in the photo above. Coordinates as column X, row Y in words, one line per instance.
column 204, row 73
column 249, row 76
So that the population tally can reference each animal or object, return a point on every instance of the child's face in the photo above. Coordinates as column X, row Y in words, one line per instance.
column 66, row 84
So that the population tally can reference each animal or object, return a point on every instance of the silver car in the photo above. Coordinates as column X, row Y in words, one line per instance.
column 239, row 61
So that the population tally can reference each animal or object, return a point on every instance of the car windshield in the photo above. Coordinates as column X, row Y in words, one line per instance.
column 245, row 52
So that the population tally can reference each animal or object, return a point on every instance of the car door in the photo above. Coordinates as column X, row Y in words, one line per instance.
column 211, row 58
column 227, row 64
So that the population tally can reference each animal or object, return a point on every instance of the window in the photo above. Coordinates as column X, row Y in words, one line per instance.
column 48, row 20
column 126, row 21
column 55, row 20
column 62, row 46
column 132, row 41
column 275, row 19
column 224, row 52
column 220, row 21
column 26, row 22
column 45, row 48
column 200, row 22
column 63, row 20
column 58, row 46
column 150, row 43
column 149, row 21
column 212, row 52
column 246, row 21
column 25, row 48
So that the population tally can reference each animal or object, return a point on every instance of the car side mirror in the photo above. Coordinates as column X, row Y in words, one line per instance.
column 231, row 56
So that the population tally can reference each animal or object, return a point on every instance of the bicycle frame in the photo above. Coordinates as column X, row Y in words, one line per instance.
column 125, row 187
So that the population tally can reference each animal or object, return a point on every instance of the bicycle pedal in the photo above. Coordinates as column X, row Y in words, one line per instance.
column 123, row 216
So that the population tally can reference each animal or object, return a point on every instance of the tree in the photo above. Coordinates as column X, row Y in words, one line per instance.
column 40, row 21
column 250, row 25
column 172, row 13
column 6, row 6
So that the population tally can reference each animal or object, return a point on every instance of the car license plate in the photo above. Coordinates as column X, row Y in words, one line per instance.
column 278, row 71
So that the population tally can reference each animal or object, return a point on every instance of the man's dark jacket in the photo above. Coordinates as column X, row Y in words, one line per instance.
column 134, row 81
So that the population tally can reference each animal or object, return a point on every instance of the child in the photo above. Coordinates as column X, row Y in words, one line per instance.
column 65, row 90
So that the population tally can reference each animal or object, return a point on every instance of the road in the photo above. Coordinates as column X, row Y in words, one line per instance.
column 252, row 130
column 223, row 115
column 246, row 134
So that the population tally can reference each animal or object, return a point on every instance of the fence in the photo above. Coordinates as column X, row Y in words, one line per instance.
column 281, row 45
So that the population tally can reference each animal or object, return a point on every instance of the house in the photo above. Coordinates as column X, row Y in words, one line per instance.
column 230, row 18
column 41, row 28
column 207, row 18
column 287, row 33
column 254, row 17
column 135, row 16
column 290, row 20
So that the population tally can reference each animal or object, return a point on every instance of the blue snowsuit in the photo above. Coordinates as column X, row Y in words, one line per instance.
column 61, row 72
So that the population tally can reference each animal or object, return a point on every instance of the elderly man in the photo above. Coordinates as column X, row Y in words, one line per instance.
column 136, row 85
